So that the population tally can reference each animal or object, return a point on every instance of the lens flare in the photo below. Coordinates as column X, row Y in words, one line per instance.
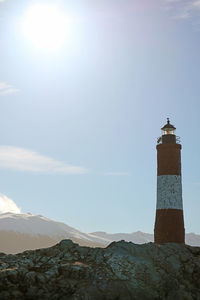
column 45, row 26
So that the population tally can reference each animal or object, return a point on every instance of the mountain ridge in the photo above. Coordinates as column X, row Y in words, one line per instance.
column 140, row 237
column 20, row 232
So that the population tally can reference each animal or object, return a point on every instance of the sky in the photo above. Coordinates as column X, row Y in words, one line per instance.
column 82, row 107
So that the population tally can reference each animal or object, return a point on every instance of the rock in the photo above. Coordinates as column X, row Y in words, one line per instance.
column 122, row 271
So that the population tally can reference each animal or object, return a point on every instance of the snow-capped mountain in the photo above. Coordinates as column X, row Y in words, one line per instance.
column 19, row 232
column 37, row 224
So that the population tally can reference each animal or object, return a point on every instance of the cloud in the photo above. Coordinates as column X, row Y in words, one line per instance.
column 196, row 4
column 184, row 9
column 117, row 174
column 25, row 160
column 8, row 205
column 6, row 88
column 173, row 1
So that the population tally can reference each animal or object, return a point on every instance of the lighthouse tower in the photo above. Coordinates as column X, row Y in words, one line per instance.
column 169, row 223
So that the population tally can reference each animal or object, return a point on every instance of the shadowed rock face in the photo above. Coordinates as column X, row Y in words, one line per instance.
column 122, row 271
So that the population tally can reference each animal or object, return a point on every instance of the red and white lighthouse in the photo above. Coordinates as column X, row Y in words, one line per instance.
column 169, row 223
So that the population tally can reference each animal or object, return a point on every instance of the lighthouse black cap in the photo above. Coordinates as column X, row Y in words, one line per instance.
column 168, row 126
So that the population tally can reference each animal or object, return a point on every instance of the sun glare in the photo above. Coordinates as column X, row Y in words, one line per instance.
column 45, row 26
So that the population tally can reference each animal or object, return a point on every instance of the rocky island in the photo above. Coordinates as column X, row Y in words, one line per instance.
column 121, row 271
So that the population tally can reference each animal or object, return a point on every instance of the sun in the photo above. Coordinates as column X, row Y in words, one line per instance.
column 45, row 26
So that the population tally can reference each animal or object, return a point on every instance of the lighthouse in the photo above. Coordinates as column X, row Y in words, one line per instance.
column 169, row 223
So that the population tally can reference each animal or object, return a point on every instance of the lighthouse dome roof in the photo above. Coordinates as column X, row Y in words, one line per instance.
column 168, row 126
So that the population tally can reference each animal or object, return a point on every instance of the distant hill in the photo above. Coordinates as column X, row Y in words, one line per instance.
column 20, row 232
column 139, row 237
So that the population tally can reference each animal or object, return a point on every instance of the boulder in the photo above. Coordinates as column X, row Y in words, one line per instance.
column 122, row 271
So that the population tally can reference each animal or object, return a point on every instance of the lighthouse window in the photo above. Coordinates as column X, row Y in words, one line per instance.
column 169, row 131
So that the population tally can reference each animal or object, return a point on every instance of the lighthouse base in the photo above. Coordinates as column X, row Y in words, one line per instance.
column 169, row 226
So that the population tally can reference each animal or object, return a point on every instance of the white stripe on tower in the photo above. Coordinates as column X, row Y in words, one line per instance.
column 169, row 192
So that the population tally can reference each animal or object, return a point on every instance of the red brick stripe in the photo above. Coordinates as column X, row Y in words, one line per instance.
column 169, row 159
column 169, row 226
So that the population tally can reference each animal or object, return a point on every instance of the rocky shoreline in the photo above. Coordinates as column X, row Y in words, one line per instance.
column 122, row 271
